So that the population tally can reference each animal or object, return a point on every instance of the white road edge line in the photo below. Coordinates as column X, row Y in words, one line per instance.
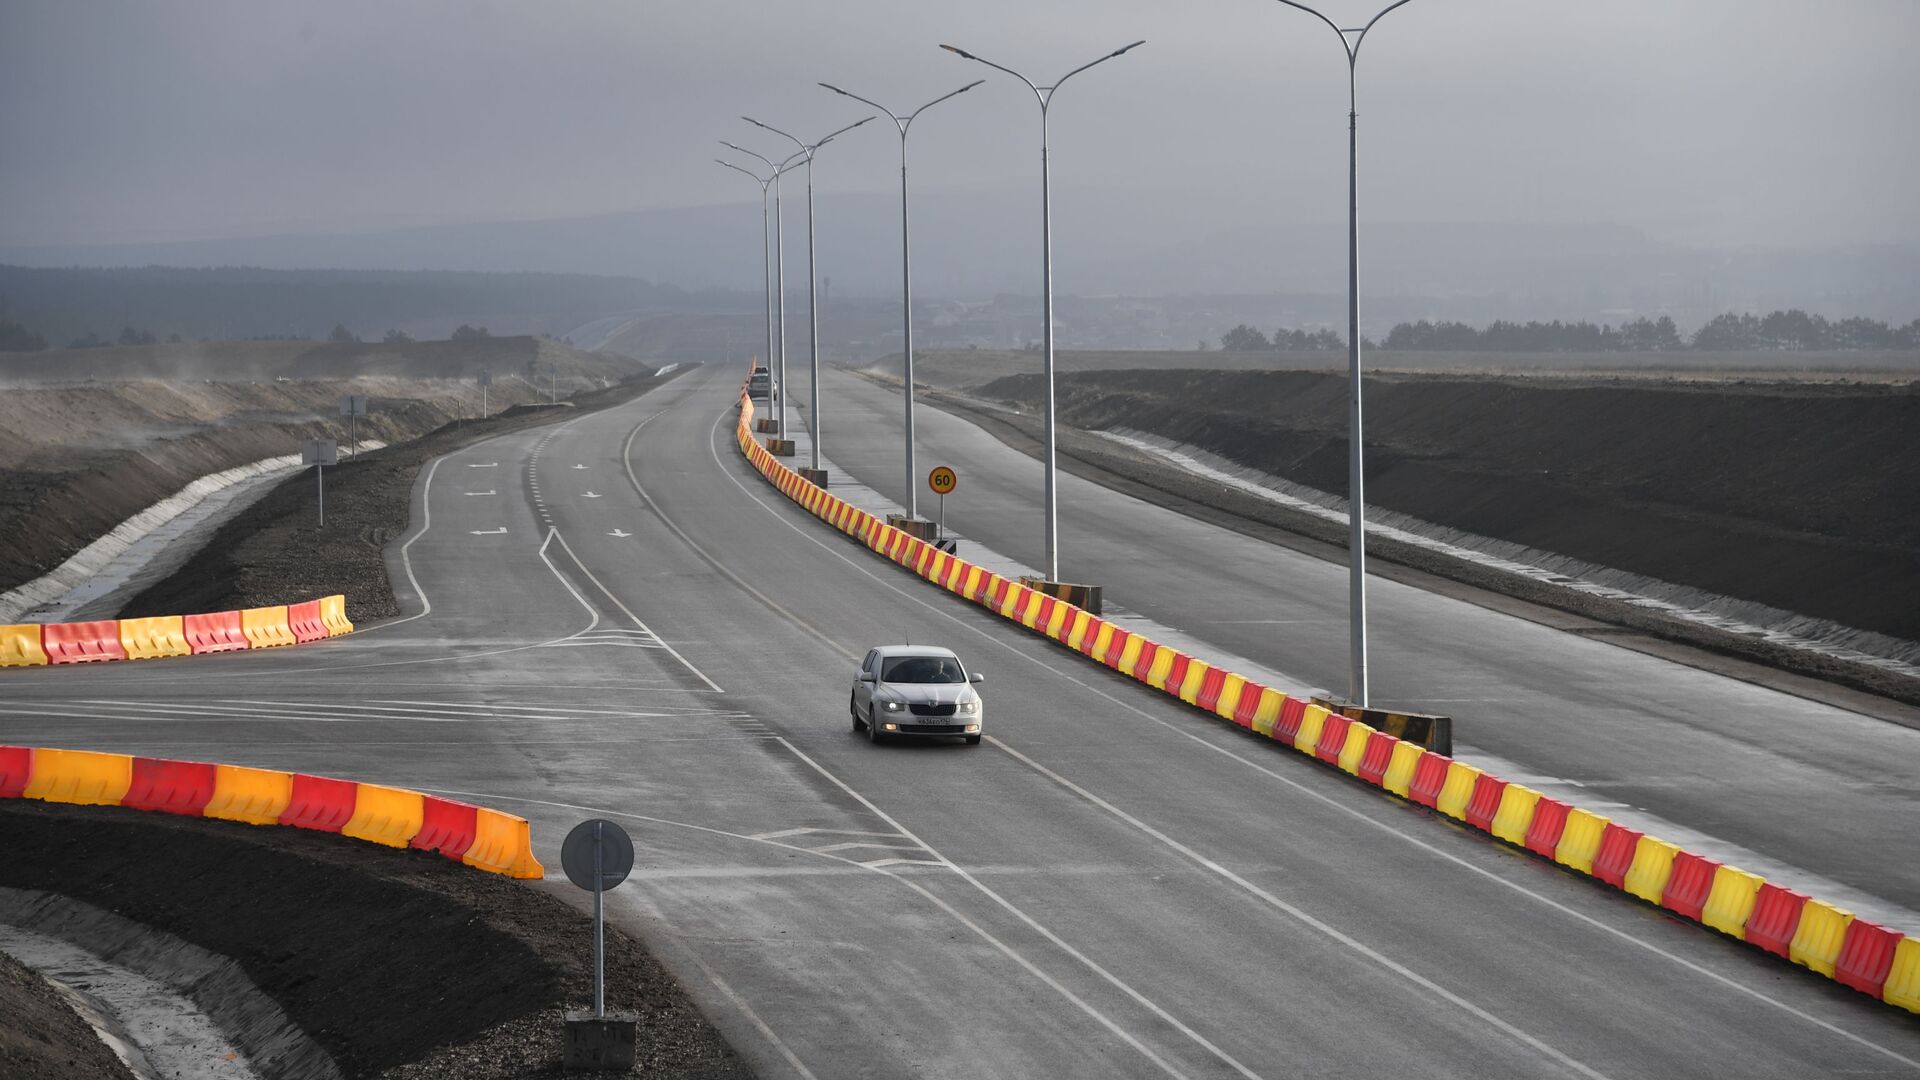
column 1303, row 917
column 1328, row 800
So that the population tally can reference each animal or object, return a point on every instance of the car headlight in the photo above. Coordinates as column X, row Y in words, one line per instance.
column 892, row 706
column 969, row 708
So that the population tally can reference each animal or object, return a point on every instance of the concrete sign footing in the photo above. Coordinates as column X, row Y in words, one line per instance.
column 816, row 477
column 600, row 1044
column 1086, row 597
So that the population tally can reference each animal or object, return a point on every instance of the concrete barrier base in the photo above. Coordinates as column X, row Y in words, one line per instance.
column 1086, row 597
column 604, row 1044
column 780, row 447
column 1433, row 732
column 766, row 425
column 915, row 527
column 816, row 477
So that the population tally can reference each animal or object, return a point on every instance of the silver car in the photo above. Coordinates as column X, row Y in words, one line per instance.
column 915, row 690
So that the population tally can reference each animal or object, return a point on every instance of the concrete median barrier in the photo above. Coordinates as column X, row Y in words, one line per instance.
column 266, row 627
column 84, row 777
column 304, row 620
column 385, row 815
column 82, row 642
column 501, row 844
column 215, row 631
column 320, row 803
column 20, row 646
column 165, row 636
column 155, row 637
column 170, row 787
column 1408, row 755
column 15, row 763
column 479, row 837
column 253, row 796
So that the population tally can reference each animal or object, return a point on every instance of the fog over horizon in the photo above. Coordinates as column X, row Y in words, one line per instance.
column 1749, row 130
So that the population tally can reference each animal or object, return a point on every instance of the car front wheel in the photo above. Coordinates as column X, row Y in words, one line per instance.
column 853, row 710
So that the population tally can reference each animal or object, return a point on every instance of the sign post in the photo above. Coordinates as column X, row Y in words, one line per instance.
column 320, row 453
column 943, row 480
column 597, row 855
column 353, row 406
column 486, row 380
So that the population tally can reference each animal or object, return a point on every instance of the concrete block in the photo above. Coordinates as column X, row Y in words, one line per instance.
column 816, row 477
column 604, row 1044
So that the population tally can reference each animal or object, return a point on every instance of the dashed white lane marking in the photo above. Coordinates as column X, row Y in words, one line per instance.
column 1403, row 835
column 952, row 912
column 1306, row 919
column 488, row 465
column 482, row 493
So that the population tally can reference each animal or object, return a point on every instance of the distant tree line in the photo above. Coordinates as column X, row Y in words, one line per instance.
column 1792, row 330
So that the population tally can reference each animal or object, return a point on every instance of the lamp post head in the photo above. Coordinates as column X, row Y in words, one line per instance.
column 1123, row 50
column 957, row 51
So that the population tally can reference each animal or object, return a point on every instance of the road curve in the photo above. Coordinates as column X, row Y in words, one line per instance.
column 616, row 616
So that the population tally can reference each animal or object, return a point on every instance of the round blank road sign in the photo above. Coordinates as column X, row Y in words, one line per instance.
column 943, row 480
column 616, row 854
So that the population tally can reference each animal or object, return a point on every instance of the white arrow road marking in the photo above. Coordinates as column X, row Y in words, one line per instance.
column 488, row 532
column 590, row 495
column 479, row 492
column 579, row 466
column 620, row 533
column 488, row 465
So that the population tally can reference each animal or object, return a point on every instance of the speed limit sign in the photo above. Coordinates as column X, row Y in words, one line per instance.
column 943, row 480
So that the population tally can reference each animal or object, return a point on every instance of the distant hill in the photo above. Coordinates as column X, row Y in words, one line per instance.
column 256, row 361
column 971, row 245
column 233, row 302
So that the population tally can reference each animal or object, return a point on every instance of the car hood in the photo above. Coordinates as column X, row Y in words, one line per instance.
column 928, row 693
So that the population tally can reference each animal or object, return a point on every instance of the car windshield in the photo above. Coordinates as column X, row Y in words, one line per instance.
column 922, row 669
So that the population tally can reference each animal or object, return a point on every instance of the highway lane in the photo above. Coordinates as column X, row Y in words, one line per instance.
column 1111, row 886
column 1801, row 783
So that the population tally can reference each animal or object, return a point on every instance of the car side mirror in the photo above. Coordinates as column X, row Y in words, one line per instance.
column 976, row 677
column 865, row 676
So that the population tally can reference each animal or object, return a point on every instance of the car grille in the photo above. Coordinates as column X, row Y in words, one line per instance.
column 933, row 729
column 931, row 710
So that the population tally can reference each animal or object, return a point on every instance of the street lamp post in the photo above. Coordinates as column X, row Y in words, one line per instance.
column 813, row 281
column 777, row 385
column 906, row 274
column 766, row 255
column 1350, row 41
column 1044, row 94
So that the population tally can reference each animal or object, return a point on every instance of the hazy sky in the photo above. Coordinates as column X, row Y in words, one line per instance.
column 1704, row 121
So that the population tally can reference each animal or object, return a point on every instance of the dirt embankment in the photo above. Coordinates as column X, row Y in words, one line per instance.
column 275, row 550
column 1795, row 495
column 79, row 456
column 42, row 1037
column 400, row 964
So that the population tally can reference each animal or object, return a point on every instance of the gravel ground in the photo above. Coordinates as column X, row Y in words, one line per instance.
column 399, row 963
column 42, row 1037
column 1858, row 686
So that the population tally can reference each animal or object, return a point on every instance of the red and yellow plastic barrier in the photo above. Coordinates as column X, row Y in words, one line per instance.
column 38, row 644
column 394, row 817
column 1872, row 959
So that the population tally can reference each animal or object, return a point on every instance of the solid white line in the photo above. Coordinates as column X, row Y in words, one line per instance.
column 741, row 1004
column 1055, row 939
column 406, row 553
column 952, row 912
column 698, row 674
column 1399, row 834
column 1300, row 915
column 690, row 711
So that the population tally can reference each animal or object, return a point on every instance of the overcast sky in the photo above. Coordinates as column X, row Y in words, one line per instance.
column 1722, row 122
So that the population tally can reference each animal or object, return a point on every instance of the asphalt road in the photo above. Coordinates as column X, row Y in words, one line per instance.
column 1779, row 784
column 617, row 617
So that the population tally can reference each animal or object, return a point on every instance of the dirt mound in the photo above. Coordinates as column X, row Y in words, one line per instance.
column 275, row 550
column 43, row 1037
column 224, row 361
column 79, row 457
column 1794, row 495
column 398, row 963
